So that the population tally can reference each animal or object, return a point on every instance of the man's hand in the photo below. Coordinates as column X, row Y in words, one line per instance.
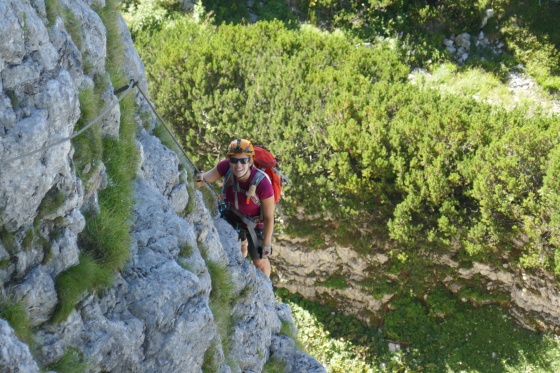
column 265, row 251
column 199, row 180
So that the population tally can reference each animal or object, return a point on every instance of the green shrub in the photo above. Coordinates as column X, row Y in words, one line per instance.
column 276, row 9
column 538, row 54
column 339, row 342
column 8, row 240
column 71, row 362
column 227, row 11
column 161, row 133
column 273, row 366
column 335, row 283
column 107, row 237
column 71, row 23
column 186, row 251
column 74, row 282
column 28, row 240
column 16, row 315
column 146, row 16
column 73, row 26
column 473, row 339
column 191, row 205
column 530, row 32
column 53, row 199
column 53, row 9
column 221, row 297
column 210, row 363
column 439, row 335
column 287, row 330
column 89, row 142
column 108, row 233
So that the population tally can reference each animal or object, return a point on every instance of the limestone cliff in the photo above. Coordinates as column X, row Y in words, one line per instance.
column 156, row 316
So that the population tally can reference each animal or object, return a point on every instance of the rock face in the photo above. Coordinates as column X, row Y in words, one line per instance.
column 15, row 355
column 157, row 315
column 307, row 272
column 533, row 299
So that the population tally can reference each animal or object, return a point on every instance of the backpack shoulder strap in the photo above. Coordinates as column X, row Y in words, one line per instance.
column 259, row 176
column 227, row 179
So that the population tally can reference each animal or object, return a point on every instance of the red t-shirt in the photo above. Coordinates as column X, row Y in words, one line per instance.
column 264, row 190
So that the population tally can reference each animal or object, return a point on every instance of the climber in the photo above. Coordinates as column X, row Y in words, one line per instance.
column 249, row 198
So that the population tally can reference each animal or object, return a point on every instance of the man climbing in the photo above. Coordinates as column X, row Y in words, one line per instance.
column 249, row 197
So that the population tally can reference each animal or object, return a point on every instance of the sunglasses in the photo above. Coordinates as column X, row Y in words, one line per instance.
column 239, row 160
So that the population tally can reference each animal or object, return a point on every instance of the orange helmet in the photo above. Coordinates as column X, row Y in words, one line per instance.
column 240, row 146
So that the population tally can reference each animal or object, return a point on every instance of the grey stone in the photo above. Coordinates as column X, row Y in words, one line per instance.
column 24, row 182
column 14, row 354
column 93, row 34
column 179, row 198
column 159, row 165
column 64, row 253
column 7, row 115
column 12, row 47
column 283, row 349
column 463, row 41
column 38, row 294
column 21, row 73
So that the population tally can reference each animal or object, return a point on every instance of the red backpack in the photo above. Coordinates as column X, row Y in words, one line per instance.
column 265, row 161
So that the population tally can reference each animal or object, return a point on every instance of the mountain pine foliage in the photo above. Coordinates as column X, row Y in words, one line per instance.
column 361, row 144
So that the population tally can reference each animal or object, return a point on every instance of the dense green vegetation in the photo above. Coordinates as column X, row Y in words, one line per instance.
column 16, row 315
column 470, row 339
column 360, row 143
column 445, row 164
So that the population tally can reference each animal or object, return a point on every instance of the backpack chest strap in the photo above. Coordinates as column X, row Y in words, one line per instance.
column 251, row 193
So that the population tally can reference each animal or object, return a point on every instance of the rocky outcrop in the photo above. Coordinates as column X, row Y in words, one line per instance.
column 460, row 46
column 157, row 315
column 307, row 272
column 533, row 299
